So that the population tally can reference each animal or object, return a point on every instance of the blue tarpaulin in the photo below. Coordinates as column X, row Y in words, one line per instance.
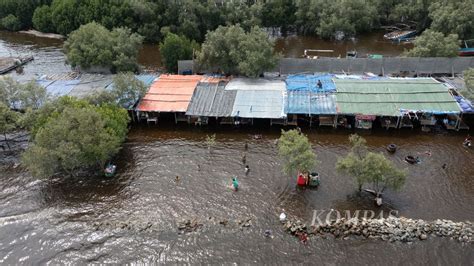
column 309, row 83
column 466, row 105
column 305, row 102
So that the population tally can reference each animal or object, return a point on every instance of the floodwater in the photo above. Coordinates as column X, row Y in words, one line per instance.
column 49, row 57
column 134, row 216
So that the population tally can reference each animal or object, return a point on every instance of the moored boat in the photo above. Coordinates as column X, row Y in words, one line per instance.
column 466, row 50
column 400, row 35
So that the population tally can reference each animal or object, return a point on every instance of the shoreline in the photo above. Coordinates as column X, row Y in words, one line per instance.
column 43, row 34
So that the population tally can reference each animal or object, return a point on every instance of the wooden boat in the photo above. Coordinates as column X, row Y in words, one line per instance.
column 110, row 170
column 400, row 35
column 466, row 50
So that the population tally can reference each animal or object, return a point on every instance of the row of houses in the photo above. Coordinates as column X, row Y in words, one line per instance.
column 339, row 100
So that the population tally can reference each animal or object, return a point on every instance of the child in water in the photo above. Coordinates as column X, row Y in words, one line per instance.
column 235, row 183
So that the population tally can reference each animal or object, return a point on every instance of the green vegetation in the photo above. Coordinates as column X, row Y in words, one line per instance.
column 127, row 90
column 21, row 96
column 210, row 141
column 71, row 136
column 193, row 18
column 435, row 44
column 233, row 51
column 453, row 17
column 9, row 121
column 370, row 168
column 11, row 23
column 21, row 10
column 14, row 95
column 175, row 48
column 468, row 92
column 296, row 152
column 92, row 45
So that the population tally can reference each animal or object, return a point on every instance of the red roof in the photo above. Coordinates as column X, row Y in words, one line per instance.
column 169, row 93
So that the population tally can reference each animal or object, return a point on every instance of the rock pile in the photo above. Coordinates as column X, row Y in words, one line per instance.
column 188, row 226
column 123, row 225
column 388, row 229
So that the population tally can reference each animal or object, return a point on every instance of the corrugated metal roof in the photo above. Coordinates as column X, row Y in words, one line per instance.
column 147, row 79
column 392, row 97
column 211, row 99
column 169, row 93
column 255, row 84
column 58, row 88
column 305, row 102
column 90, row 84
column 259, row 104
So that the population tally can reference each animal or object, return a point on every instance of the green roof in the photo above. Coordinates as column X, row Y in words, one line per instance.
column 391, row 97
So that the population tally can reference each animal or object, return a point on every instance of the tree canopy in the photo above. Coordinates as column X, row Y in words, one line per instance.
column 435, row 44
column 9, row 121
column 92, row 45
column 234, row 51
column 21, row 96
column 72, row 136
column 175, row 48
column 370, row 168
column 296, row 152
column 468, row 92
column 125, row 92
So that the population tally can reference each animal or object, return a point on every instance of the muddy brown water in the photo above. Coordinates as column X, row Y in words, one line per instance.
column 81, row 221
column 134, row 216
column 49, row 57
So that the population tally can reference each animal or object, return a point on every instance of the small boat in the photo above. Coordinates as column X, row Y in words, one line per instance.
column 400, row 35
column 110, row 170
column 313, row 180
column 411, row 160
column 351, row 54
column 466, row 50
column 392, row 148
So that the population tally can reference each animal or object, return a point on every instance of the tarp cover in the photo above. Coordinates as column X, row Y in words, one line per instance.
column 169, row 93
column 309, row 83
column 392, row 97
column 465, row 104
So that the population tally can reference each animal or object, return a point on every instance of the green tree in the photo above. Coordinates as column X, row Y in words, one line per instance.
column 8, row 121
column 22, row 96
column 11, row 23
column 296, row 152
column 370, row 168
column 234, row 51
column 175, row 48
column 468, row 92
column 434, row 44
column 125, row 92
column 42, row 19
column 74, row 138
column 93, row 45
column 453, row 17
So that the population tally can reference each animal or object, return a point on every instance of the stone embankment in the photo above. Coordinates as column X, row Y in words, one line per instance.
column 388, row 229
